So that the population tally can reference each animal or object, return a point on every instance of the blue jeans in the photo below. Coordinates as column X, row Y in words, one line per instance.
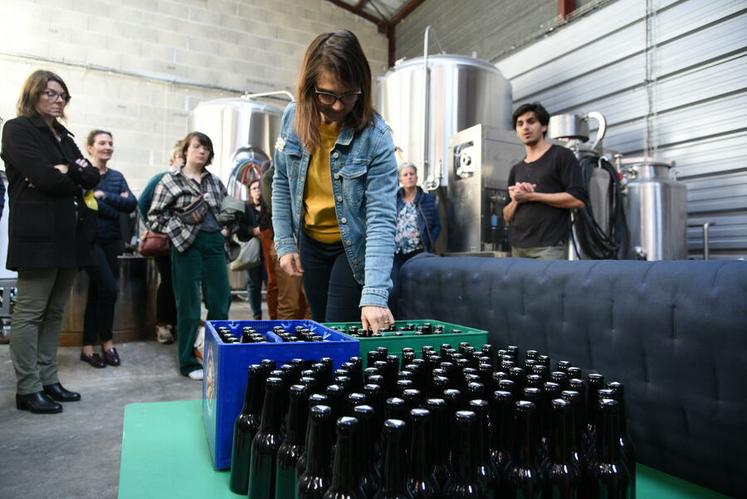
column 331, row 290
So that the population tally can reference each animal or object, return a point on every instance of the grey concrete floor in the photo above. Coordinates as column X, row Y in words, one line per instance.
column 76, row 454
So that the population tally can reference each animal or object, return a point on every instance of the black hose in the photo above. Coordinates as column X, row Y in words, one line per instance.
column 595, row 243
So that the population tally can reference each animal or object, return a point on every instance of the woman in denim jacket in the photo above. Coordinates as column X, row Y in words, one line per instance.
column 335, row 187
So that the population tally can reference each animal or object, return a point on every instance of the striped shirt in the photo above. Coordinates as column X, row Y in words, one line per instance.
column 173, row 194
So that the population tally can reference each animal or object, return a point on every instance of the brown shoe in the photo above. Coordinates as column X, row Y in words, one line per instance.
column 111, row 357
column 94, row 359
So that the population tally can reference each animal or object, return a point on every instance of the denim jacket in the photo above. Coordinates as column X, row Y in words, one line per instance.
column 364, row 184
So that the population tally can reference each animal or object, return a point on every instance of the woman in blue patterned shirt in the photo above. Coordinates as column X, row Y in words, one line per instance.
column 418, row 225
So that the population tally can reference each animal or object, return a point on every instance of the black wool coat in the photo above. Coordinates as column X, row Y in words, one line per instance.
column 46, row 220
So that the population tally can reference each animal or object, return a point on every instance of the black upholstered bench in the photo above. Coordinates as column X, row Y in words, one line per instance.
column 675, row 333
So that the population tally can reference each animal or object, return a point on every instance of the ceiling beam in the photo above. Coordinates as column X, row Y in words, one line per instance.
column 380, row 23
column 405, row 11
column 566, row 7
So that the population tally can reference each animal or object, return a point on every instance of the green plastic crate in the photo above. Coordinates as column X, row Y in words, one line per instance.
column 475, row 337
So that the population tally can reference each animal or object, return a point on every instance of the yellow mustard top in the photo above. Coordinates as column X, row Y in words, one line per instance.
column 320, row 219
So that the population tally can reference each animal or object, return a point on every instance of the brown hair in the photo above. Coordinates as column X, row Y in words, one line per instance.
column 32, row 89
column 203, row 139
column 341, row 54
column 93, row 133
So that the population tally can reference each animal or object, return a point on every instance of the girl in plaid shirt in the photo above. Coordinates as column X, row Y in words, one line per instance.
column 185, row 207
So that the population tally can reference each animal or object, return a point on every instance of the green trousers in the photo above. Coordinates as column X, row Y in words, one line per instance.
column 202, row 267
column 35, row 326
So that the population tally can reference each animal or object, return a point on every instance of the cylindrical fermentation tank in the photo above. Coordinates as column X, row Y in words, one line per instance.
column 240, row 128
column 243, row 132
column 463, row 92
column 656, row 209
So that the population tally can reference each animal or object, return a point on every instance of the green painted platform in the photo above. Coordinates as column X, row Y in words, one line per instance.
column 165, row 455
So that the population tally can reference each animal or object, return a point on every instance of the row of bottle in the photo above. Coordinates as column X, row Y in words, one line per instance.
column 397, row 329
column 250, row 335
column 445, row 432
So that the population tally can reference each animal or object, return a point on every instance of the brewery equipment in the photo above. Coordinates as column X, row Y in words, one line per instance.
column 479, row 161
column 656, row 209
column 243, row 131
column 428, row 100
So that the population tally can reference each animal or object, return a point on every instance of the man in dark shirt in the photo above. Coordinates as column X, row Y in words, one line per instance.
column 543, row 187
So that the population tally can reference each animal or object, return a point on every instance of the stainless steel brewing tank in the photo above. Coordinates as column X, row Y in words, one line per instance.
column 656, row 210
column 236, row 125
column 463, row 92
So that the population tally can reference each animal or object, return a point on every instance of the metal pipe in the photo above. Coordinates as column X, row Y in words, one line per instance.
column 706, row 240
column 706, row 226
column 426, row 114
column 269, row 94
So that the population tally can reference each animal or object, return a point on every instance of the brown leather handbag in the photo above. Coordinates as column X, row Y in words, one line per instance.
column 154, row 244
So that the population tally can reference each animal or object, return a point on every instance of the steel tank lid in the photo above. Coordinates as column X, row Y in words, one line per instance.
column 644, row 161
column 445, row 60
column 242, row 103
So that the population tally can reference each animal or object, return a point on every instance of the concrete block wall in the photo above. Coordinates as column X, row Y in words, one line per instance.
column 137, row 67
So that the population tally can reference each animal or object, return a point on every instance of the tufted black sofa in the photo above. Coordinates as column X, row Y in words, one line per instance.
column 675, row 333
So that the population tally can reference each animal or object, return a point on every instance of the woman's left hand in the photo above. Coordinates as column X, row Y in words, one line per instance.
column 376, row 318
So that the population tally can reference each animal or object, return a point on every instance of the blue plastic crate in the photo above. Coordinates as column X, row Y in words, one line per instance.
column 226, row 366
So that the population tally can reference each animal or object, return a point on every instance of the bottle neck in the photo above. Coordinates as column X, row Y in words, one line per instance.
column 465, row 466
column 394, row 464
column 421, row 453
column 318, row 448
column 562, row 437
column 608, row 436
column 526, row 439
column 502, row 427
column 272, row 410
column 253, row 395
column 345, row 476
column 298, row 414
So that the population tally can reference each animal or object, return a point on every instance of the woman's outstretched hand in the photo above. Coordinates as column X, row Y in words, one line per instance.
column 376, row 318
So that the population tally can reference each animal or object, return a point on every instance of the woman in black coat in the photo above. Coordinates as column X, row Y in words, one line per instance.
column 48, row 234
column 252, row 222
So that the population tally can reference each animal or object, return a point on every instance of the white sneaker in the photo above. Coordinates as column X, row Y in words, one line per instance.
column 197, row 374
column 163, row 335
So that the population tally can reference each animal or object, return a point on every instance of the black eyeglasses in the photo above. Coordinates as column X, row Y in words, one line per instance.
column 329, row 99
column 53, row 96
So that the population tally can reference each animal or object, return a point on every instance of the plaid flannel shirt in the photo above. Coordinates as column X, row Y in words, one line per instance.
column 173, row 194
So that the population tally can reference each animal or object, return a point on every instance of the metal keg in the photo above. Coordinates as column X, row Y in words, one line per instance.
column 135, row 310
column 656, row 209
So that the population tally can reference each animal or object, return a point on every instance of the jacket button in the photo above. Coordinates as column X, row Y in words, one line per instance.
column 337, row 176
column 344, row 220
column 339, row 199
column 336, row 155
column 348, row 242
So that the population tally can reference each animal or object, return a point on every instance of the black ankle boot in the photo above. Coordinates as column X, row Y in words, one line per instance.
column 38, row 403
column 56, row 392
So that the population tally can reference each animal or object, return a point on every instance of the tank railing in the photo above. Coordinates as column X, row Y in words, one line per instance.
column 275, row 93
column 427, row 174
column 706, row 226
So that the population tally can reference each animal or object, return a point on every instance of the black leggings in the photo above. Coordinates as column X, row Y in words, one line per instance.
column 165, row 301
column 102, row 292
column 333, row 293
